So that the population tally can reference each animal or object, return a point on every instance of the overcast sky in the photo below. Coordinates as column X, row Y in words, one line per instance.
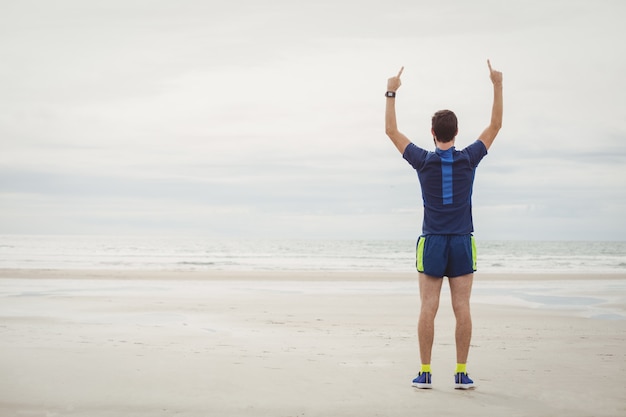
column 265, row 119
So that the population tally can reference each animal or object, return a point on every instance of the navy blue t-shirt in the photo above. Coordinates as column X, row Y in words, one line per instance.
column 446, row 178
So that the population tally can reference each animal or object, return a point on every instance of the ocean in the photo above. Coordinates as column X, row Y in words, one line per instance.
column 200, row 254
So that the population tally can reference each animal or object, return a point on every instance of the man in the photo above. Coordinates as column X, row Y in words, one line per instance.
column 446, row 246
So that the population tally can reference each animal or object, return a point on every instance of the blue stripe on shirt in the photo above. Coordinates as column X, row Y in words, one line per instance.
column 446, row 176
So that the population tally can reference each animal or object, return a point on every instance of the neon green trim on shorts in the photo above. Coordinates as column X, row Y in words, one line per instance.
column 473, row 253
column 420, row 254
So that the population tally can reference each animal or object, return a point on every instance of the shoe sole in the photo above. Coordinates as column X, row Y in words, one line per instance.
column 464, row 386
column 423, row 386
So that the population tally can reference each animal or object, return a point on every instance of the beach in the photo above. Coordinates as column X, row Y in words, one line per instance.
column 168, row 343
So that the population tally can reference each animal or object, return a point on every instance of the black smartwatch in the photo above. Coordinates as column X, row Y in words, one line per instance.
column 390, row 94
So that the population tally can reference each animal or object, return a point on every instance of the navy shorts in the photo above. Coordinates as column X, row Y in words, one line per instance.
column 446, row 255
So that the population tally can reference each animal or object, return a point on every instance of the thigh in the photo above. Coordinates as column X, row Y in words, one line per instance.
column 430, row 289
column 461, row 290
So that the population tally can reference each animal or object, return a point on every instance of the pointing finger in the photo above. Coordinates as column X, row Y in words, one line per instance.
column 400, row 72
column 489, row 63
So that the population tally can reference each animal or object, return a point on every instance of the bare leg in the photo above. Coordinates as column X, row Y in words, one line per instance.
column 460, row 291
column 430, row 289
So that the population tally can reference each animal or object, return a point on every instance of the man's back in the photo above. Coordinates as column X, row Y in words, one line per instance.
column 446, row 178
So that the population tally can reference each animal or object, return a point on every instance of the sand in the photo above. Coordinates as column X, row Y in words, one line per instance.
column 120, row 343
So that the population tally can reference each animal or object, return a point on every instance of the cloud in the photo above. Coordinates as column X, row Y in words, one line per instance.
column 266, row 119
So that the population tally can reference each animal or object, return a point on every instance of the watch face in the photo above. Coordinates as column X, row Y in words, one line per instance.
column 390, row 94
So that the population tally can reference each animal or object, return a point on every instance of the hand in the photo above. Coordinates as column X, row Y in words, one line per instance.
column 394, row 83
column 496, row 76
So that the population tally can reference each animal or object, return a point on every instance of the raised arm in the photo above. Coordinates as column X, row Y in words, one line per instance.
column 391, row 127
column 490, row 133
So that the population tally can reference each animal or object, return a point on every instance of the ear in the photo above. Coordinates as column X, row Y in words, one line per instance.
column 434, row 136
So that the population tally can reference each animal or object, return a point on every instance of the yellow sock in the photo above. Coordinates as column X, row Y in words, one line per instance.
column 461, row 367
column 426, row 368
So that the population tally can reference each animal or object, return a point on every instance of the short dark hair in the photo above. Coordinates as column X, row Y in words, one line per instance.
column 445, row 125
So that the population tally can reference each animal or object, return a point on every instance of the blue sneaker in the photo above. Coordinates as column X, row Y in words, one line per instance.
column 462, row 381
column 423, row 380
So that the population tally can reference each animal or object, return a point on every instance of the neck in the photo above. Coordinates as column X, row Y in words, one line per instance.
column 444, row 146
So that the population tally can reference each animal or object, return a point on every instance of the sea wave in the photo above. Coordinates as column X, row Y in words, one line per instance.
column 167, row 253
